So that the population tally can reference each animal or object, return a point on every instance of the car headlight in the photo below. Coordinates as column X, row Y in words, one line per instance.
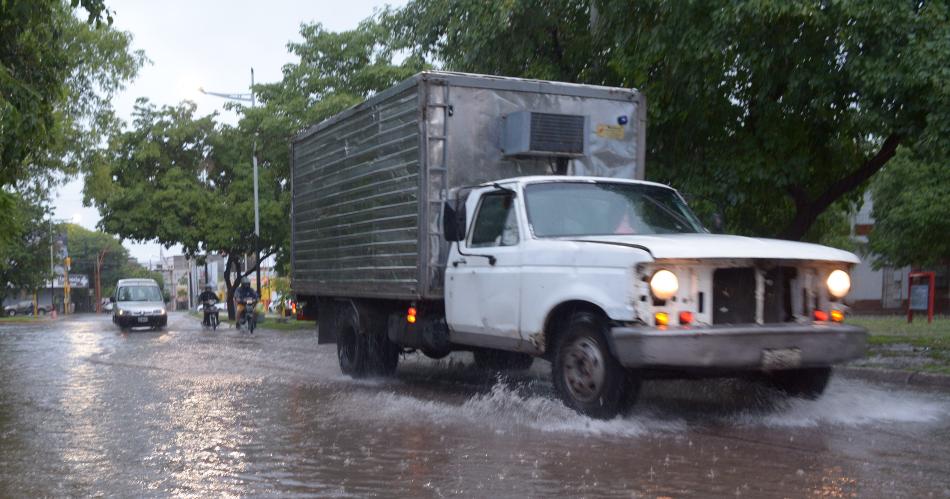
column 121, row 312
column 664, row 284
column 839, row 283
column 161, row 311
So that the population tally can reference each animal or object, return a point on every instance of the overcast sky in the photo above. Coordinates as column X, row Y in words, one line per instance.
column 211, row 44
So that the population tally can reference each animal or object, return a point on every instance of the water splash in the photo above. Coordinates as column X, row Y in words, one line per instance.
column 504, row 408
column 853, row 403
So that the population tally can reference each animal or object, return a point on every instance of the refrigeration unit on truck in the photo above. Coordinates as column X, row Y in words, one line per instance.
column 510, row 218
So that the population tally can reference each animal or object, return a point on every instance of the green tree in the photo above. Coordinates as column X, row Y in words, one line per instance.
column 176, row 178
column 770, row 112
column 85, row 248
column 58, row 75
column 911, row 213
column 24, row 253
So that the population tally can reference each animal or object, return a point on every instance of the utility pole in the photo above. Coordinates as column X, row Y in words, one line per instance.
column 99, row 257
column 252, row 98
column 52, row 270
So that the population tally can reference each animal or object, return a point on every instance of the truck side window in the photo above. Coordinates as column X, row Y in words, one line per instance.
column 496, row 222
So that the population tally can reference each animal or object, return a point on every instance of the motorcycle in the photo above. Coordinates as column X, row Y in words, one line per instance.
column 209, row 308
column 248, row 318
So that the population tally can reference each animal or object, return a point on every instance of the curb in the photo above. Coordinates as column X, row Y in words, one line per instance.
column 896, row 376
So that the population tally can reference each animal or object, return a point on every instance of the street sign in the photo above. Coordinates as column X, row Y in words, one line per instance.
column 920, row 294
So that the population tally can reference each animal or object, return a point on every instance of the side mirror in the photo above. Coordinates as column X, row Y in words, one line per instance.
column 453, row 221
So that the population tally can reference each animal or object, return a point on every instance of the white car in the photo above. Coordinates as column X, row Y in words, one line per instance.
column 138, row 303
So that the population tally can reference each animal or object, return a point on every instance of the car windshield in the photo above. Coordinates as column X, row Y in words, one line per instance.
column 139, row 293
column 562, row 209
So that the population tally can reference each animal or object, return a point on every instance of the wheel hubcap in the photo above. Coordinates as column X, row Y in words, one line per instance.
column 584, row 369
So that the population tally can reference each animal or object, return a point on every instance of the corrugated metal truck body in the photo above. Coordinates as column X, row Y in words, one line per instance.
column 369, row 183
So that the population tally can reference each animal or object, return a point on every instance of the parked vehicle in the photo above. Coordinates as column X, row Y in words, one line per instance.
column 24, row 307
column 138, row 303
column 509, row 218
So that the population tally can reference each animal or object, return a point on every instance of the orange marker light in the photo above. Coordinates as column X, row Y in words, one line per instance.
column 661, row 318
column 411, row 315
column 821, row 315
column 686, row 318
column 837, row 315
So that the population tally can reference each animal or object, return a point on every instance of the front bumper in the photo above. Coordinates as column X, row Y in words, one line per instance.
column 129, row 321
column 739, row 347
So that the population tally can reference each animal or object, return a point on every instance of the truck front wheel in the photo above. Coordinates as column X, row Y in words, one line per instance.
column 586, row 376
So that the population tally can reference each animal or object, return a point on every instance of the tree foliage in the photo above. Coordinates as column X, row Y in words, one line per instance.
column 769, row 112
column 86, row 245
column 184, row 179
column 24, row 252
column 58, row 75
column 911, row 213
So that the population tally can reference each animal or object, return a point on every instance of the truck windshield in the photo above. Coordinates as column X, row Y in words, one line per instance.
column 139, row 293
column 561, row 209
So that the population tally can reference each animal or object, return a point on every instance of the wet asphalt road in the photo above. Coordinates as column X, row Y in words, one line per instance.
column 88, row 410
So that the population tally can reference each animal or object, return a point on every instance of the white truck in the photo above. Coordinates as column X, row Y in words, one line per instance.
column 509, row 218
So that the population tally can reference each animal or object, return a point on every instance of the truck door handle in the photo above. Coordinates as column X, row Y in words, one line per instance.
column 457, row 262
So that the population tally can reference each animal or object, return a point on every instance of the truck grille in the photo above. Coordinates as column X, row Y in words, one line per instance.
column 734, row 296
column 778, row 294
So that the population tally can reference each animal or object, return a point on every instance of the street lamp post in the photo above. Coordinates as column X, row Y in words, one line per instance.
column 257, row 214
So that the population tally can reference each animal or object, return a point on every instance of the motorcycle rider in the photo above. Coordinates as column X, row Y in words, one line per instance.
column 244, row 292
column 207, row 295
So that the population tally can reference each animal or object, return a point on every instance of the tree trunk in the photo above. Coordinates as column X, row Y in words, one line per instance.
column 807, row 211
column 229, row 285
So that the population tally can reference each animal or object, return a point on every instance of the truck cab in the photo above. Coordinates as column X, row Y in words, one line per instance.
column 616, row 281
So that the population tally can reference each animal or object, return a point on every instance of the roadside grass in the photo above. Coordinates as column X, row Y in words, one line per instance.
column 918, row 346
column 22, row 319
column 270, row 322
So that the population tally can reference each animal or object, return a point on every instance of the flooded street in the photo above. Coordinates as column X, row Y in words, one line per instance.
column 88, row 410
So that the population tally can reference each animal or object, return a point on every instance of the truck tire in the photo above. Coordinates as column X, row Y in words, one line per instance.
column 499, row 360
column 362, row 345
column 351, row 349
column 383, row 355
column 807, row 383
column 586, row 376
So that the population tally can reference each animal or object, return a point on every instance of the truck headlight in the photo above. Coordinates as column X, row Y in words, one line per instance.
column 839, row 283
column 664, row 284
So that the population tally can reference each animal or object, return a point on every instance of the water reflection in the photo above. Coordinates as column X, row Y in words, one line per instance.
column 86, row 411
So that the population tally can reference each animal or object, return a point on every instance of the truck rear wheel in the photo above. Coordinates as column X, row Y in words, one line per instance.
column 808, row 383
column 586, row 376
column 499, row 360
column 362, row 346
column 351, row 350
